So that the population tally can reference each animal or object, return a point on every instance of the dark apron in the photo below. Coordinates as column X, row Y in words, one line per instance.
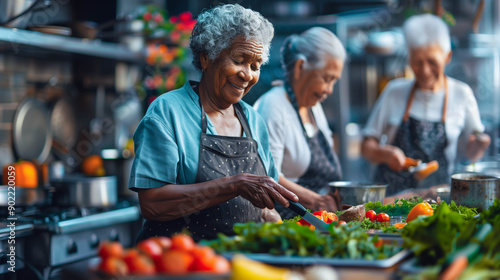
column 324, row 166
column 219, row 156
column 422, row 140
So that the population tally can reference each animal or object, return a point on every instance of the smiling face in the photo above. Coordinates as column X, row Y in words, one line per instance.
column 315, row 85
column 428, row 64
column 231, row 75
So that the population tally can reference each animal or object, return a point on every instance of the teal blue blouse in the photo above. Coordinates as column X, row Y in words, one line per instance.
column 167, row 140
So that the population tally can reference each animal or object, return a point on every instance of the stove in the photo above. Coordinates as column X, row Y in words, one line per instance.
column 57, row 236
column 12, row 241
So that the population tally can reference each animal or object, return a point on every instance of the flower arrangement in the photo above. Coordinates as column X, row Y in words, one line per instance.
column 168, row 40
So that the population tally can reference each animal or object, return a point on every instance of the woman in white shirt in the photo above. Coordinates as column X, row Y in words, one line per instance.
column 423, row 118
column 299, row 137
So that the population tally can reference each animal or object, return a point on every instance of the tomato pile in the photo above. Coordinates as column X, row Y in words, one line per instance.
column 177, row 255
column 327, row 217
column 374, row 217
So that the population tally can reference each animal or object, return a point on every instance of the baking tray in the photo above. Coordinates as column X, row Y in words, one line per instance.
column 305, row 261
column 411, row 267
column 394, row 236
column 87, row 270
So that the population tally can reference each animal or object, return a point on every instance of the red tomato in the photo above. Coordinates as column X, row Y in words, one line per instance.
column 176, row 262
column 204, row 258
column 164, row 242
column 342, row 223
column 182, row 242
column 378, row 243
column 150, row 248
column 329, row 217
column 109, row 249
column 114, row 266
column 383, row 217
column 139, row 264
column 130, row 255
column 303, row 222
column 222, row 265
column 372, row 215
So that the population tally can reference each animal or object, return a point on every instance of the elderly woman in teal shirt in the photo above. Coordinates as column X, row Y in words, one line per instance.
column 202, row 154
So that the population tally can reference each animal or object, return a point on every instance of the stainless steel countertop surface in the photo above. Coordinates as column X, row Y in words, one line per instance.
column 98, row 220
column 21, row 229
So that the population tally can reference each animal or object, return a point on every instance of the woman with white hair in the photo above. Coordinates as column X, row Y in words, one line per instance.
column 423, row 118
column 300, row 139
column 202, row 159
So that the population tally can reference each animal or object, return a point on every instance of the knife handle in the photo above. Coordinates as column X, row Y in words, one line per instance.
column 297, row 207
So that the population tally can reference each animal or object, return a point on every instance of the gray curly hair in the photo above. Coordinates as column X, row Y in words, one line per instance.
column 216, row 29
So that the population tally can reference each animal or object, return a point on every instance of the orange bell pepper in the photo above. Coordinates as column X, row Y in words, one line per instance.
column 423, row 208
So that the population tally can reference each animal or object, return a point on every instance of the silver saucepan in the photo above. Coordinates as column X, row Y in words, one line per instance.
column 83, row 191
column 355, row 193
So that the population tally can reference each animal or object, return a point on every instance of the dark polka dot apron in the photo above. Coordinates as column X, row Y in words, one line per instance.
column 219, row 156
column 324, row 166
column 422, row 140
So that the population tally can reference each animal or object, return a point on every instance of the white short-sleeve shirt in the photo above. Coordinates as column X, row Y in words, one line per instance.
column 462, row 114
column 286, row 138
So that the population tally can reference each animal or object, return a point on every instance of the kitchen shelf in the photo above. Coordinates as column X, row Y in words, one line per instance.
column 71, row 45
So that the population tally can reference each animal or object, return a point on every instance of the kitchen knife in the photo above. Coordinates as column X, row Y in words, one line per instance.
column 308, row 217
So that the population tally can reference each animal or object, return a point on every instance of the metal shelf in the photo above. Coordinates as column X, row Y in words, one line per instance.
column 94, row 48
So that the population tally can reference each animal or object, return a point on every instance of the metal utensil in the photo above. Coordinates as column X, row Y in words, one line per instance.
column 310, row 218
column 31, row 131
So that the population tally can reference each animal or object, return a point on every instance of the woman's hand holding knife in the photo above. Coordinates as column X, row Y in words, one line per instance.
column 261, row 191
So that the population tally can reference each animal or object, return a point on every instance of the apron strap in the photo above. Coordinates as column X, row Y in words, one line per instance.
column 406, row 115
column 243, row 119
column 295, row 104
column 239, row 114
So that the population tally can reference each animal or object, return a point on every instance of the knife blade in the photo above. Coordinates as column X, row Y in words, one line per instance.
column 308, row 217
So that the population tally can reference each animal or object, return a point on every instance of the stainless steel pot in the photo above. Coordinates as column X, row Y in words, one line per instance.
column 83, row 191
column 21, row 196
column 355, row 193
column 474, row 189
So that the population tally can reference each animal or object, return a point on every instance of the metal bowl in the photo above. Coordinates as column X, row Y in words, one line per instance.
column 444, row 193
column 355, row 193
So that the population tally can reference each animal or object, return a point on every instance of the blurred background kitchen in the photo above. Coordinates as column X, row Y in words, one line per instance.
column 77, row 76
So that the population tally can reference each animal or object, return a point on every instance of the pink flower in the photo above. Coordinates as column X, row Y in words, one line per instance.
column 185, row 16
column 147, row 16
column 174, row 19
column 150, row 83
column 158, row 18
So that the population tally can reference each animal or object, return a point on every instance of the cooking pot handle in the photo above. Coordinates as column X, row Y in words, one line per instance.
column 44, row 5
